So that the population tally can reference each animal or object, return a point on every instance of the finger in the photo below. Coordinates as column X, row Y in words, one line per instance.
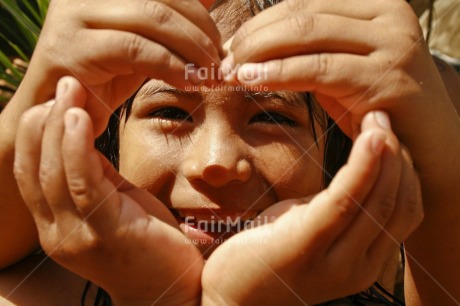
column 286, row 9
column 333, row 209
column 95, row 196
column 379, row 206
column 163, row 24
column 27, row 161
column 52, row 177
column 308, row 34
column 198, row 15
column 408, row 212
column 130, row 54
column 102, row 196
column 336, row 74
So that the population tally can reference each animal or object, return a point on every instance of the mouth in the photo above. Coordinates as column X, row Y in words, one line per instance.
column 207, row 229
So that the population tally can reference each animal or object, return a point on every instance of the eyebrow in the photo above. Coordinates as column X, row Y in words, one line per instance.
column 290, row 99
column 149, row 90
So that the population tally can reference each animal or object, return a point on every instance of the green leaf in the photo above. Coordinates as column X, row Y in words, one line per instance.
column 29, row 29
column 6, row 62
column 33, row 11
column 43, row 8
column 16, row 48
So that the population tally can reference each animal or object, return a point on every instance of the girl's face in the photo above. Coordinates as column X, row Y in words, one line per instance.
column 219, row 155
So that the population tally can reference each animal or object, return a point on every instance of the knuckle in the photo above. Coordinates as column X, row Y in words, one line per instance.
column 302, row 25
column 386, row 206
column 92, row 243
column 294, row 5
column 80, row 192
column 133, row 44
column 321, row 65
column 20, row 172
column 160, row 12
column 347, row 206
column 46, row 174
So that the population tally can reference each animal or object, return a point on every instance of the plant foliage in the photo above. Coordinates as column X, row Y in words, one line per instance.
column 20, row 25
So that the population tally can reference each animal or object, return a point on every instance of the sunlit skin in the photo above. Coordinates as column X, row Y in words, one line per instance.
column 216, row 148
column 210, row 155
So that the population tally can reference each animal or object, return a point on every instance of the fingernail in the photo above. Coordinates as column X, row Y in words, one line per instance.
column 251, row 73
column 61, row 89
column 70, row 121
column 382, row 119
column 378, row 143
column 227, row 65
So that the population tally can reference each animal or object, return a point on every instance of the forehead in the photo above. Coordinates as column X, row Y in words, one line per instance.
column 221, row 95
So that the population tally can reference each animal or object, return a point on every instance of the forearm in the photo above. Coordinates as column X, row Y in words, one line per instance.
column 433, row 272
column 18, row 235
column 428, row 124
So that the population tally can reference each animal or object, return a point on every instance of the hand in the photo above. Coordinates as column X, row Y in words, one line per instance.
column 93, row 222
column 111, row 47
column 328, row 246
column 354, row 56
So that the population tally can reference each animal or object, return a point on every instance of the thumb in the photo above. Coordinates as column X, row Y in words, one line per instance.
column 376, row 119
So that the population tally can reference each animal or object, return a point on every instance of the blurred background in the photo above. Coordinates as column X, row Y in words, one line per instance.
column 21, row 21
column 441, row 26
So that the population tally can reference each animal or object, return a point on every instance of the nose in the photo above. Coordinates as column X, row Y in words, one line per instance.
column 216, row 158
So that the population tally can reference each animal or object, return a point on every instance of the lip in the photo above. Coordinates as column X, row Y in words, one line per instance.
column 207, row 229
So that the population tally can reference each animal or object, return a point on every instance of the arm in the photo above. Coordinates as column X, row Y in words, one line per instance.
column 433, row 250
column 85, row 39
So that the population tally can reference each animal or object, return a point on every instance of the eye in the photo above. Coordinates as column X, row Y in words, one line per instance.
column 272, row 118
column 171, row 113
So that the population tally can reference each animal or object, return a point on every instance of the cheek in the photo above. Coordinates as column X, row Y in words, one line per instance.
column 147, row 161
column 291, row 170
